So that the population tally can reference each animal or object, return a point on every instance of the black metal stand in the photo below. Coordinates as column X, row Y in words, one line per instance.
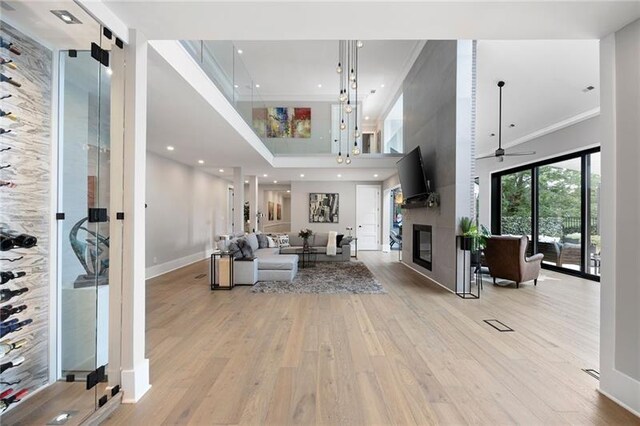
column 216, row 257
column 463, row 245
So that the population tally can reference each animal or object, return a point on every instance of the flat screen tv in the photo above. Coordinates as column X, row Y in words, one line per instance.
column 411, row 174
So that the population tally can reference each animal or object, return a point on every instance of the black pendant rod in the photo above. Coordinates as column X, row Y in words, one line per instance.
column 500, row 85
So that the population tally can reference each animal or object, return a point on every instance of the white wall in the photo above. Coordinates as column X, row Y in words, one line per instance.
column 574, row 138
column 186, row 209
column 347, row 204
column 619, row 291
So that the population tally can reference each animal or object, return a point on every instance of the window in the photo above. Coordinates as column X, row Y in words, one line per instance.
column 556, row 204
column 393, row 143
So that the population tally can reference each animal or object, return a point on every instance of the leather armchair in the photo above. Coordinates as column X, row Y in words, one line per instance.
column 506, row 258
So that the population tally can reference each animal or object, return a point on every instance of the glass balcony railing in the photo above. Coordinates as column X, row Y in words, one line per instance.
column 285, row 128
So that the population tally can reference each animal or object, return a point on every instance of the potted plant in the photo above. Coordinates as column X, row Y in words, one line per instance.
column 305, row 233
column 473, row 239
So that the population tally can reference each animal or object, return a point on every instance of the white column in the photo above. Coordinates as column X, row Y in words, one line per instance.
column 253, row 202
column 135, row 367
column 238, row 199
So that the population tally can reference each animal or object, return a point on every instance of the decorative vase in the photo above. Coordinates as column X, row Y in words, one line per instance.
column 305, row 243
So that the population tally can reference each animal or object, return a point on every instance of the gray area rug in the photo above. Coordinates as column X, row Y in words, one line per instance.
column 326, row 278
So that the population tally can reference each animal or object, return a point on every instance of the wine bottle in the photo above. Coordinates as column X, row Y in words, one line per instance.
column 7, row 311
column 8, row 115
column 9, row 46
column 19, row 240
column 6, row 346
column 3, row 131
column 7, row 276
column 6, row 294
column 8, row 63
column 10, row 80
column 5, row 243
column 6, row 393
column 12, row 326
column 11, row 364
column 16, row 397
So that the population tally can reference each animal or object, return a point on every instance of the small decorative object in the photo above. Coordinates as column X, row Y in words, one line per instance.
column 433, row 198
column 323, row 208
column 305, row 233
column 92, row 252
column 349, row 230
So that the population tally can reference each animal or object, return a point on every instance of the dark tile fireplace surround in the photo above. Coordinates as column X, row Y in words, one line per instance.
column 422, row 252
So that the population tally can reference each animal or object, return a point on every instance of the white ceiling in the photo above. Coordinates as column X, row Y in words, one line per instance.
column 178, row 116
column 293, row 70
column 544, row 87
column 374, row 20
column 35, row 19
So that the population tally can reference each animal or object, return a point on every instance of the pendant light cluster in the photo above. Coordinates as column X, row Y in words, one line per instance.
column 347, row 70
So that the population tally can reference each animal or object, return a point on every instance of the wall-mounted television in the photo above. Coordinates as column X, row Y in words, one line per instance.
column 412, row 177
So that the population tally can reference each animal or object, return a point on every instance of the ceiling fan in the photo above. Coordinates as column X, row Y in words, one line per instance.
column 500, row 153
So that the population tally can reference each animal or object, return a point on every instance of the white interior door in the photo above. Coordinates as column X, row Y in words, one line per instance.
column 368, row 217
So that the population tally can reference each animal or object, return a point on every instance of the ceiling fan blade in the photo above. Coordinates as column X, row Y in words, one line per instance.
column 520, row 153
column 486, row 156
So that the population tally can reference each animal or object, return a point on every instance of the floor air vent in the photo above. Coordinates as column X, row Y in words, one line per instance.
column 498, row 325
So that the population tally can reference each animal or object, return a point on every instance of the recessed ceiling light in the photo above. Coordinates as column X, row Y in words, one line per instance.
column 588, row 89
column 240, row 52
column 302, row 175
column 319, row 86
column 288, row 191
column 246, row 181
column 257, row 86
column 66, row 17
column 170, row 148
column 275, row 181
column 200, row 161
column 236, row 86
column 109, row 71
column 221, row 170
column 339, row 175
column 366, row 117
column 512, row 125
column 265, row 175
column 492, row 134
column 382, row 85
column 376, row 175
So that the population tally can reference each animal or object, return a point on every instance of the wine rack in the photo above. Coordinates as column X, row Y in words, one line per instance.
column 25, row 213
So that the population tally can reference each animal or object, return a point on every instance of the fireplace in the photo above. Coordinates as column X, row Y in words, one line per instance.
column 422, row 253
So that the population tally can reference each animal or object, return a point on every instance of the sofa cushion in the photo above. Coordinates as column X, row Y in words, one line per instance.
column 277, row 262
column 266, row 252
column 262, row 241
column 321, row 239
column 271, row 241
column 245, row 248
column 252, row 239
column 234, row 250
column 283, row 241
column 295, row 240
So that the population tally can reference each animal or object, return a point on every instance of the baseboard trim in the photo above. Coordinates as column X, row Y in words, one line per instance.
column 172, row 265
column 620, row 403
column 427, row 277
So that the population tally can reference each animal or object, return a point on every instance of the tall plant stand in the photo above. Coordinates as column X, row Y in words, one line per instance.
column 470, row 274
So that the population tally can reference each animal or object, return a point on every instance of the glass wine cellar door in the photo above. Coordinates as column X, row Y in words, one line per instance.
column 85, row 249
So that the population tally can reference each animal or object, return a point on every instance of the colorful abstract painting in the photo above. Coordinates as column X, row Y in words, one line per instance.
column 282, row 122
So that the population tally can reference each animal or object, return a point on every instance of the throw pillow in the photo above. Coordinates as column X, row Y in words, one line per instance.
column 234, row 250
column 339, row 239
column 262, row 241
column 283, row 241
column 252, row 239
column 272, row 243
column 245, row 248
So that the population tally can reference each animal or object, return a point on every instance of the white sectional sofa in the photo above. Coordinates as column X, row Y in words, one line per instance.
column 279, row 263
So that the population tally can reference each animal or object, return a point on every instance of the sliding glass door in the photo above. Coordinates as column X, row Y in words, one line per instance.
column 556, row 204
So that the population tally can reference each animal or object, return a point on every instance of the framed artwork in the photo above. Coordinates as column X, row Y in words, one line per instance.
column 270, row 211
column 282, row 122
column 323, row 207
column 278, row 211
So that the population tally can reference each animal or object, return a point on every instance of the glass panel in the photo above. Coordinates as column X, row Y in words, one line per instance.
column 559, row 213
column 593, row 221
column 515, row 210
column 393, row 142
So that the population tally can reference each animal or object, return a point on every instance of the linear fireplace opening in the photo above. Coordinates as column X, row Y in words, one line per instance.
column 422, row 245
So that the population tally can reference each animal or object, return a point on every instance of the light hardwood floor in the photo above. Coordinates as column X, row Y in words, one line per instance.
column 417, row 355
